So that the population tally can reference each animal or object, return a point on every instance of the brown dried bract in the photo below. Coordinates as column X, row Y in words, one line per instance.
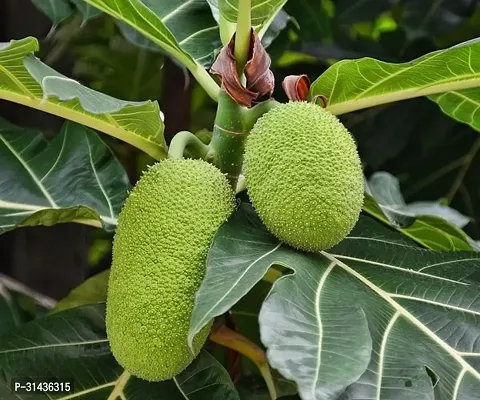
column 322, row 98
column 296, row 87
column 260, row 79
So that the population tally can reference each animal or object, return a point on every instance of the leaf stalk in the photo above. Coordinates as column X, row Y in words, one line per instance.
column 243, row 34
column 186, row 140
column 235, row 341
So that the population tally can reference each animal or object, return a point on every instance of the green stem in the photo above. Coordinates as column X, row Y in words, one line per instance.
column 185, row 140
column 228, row 140
column 232, row 126
column 243, row 34
column 205, row 80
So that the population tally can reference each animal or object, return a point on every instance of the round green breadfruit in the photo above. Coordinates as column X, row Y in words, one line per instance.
column 304, row 176
column 159, row 251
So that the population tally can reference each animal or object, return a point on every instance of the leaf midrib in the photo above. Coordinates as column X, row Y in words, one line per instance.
column 36, row 180
column 318, row 293
column 196, row 328
column 53, row 345
column 31, row 208
column 143, row 143
column 427, row 90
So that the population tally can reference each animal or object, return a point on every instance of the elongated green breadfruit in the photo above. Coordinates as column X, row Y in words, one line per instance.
column 161, row 243
column 304, row 176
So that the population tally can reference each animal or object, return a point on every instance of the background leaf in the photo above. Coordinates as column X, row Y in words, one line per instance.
column 93, row 290
column 59, row 10
column 88, row 12
column 386, row 190
column 9, row 312
column 56, row 10
column 20, row 304
column 461, row 105
column 431, row 232
column 185, row 30
column 438, row 17
column 26, row 80
column 74, row 177
column 349, row 12
column 72, row 345
column 355, row 84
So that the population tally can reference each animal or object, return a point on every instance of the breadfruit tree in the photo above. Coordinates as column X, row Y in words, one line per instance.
column 256, row 258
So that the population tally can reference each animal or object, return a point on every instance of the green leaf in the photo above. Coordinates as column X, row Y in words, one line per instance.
column 88, row 12
column 26, row 80
column 73, row 345
column 9, row 312
column 350, row 12
column 59, row 10
column 56, row 10
column 93, row 290
column 251, row 251
column 417, row 309
column 220, row 291
column 263, row 12
column 431, row 232
column 19, row 304
column 461, row 105
column 385, row 188
column 431, row 19
column 136, row 38
column 351, row 85
column 73, row 178
column 185, row 30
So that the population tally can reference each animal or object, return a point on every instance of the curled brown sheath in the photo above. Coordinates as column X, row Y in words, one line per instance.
column 260, row 80
column 296, row 87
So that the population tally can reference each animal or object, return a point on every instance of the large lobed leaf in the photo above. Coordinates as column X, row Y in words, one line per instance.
column 374, row 317
column 451, row 77
column 72, row 345
column 72, row 178
column 26, row 80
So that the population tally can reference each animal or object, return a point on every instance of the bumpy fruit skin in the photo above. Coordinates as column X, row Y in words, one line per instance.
column 304, row 176
column 159, row 251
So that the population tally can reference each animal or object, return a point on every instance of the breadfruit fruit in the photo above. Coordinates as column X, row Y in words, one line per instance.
column 304, row 176
column 164, row 232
